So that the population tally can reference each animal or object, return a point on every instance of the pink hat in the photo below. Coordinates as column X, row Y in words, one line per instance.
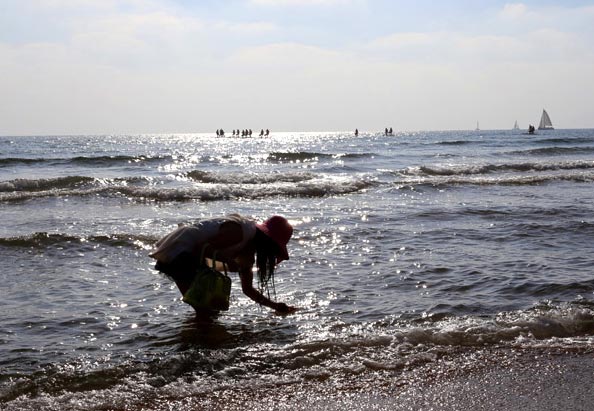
column 279, row 229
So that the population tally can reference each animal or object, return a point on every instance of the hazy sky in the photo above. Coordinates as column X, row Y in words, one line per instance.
column 136, row 66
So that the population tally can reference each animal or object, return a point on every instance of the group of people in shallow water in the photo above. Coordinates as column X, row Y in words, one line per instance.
column 243, row 133
column 387, row 132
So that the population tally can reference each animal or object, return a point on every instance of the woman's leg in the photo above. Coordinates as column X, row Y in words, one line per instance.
column 181, row 270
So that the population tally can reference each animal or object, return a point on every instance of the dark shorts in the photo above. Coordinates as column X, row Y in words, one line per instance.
column 181, row 269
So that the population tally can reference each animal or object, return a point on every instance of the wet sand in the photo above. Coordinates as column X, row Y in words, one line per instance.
column 486, row 379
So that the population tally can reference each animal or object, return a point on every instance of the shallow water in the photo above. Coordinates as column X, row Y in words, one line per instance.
column 406, row 247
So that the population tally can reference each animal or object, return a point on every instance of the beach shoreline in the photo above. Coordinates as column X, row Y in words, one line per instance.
column 483, row 379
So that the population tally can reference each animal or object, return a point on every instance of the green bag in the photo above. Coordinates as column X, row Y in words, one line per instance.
column 210, row 289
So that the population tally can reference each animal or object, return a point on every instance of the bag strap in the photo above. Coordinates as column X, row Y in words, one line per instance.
column 214, row 259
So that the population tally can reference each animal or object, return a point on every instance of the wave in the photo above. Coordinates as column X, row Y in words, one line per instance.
column 11, row 161
column 474, row 169
column 304, row 156
column 456, row 142
column 210, row 192
column 249, row 178
column 44, row 240
column 441, row 182
column 230, row 192
column 62, row 183
column 527, row 327
column 98, row 161
column 554, row 151
column 562, row 140
column 22, row 184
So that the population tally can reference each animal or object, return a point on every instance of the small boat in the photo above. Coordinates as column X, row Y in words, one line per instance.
column 516, row 127
column 477, row 127
column 545, row 121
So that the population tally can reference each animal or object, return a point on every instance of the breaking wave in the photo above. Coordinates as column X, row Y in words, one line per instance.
column 490, row 181
column 474, row 169
column 207, row 192
column 304, row 156
column 22, row 184
column 99, row 161
column 456, row 142
column 564, row 140
column 554, row 151
column 249, row 178
column 217, row 192
column 43, row 240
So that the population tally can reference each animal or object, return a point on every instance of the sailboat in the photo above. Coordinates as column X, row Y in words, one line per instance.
column 545, row 121
column 477, row 127
column 516, row 127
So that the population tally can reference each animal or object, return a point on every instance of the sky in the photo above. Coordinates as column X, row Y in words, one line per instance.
column 182, row 66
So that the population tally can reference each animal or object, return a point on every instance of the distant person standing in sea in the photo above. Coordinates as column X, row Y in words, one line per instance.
column 356, row 132
column 267, row 132
column 239, row 242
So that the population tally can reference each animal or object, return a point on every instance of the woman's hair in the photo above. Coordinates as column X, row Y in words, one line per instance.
column 265, row 262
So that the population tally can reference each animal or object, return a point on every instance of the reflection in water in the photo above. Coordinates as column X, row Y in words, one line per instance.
column 205, row 331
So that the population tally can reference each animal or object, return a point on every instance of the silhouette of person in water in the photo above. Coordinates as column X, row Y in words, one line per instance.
column 267, row 132
column 238, row 242
column 531, row 129
column 390, row 131
column 356, row 132
column 386, row 131
column 262, row 133
column 250, row 132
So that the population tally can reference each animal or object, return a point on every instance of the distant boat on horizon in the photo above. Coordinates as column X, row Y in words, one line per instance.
column 516, row 127
column 477, row 127
column 545, row 121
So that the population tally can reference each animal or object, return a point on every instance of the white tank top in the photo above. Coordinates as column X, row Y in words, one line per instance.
column 186, row 238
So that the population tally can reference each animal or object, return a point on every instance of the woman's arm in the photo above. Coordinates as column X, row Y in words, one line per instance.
column 247, row 278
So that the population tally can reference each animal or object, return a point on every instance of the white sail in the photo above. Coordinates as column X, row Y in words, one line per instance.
column 545, row 121
column 516, row 127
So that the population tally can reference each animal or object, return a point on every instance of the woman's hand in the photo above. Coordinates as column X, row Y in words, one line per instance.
column 283, row 308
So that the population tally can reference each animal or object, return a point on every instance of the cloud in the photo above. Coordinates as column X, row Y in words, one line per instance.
column 132, row 65
column 301, row 2
column 404, row 40
column 547, row 17
column 246, row 28
column 537, row 46
column 514, row 11
column 446, row 48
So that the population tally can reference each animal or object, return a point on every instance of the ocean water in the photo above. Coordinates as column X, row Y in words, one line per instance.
column 406, row 248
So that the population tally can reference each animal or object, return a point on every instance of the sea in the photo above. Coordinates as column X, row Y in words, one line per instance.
column 407, row 248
